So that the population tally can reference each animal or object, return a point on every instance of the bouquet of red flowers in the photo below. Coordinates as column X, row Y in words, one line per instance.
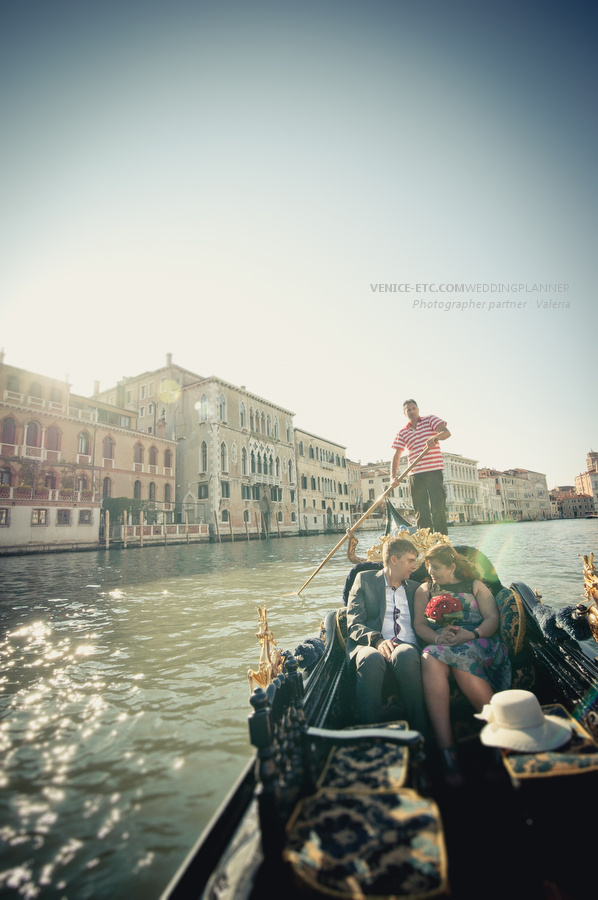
column 443, row 609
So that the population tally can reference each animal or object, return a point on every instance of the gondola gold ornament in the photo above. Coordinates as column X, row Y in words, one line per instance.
column 366, row 514
column 590, row 578
column 271, row 659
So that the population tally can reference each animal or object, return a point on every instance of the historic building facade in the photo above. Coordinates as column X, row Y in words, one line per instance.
column 462, row 489
column 61, row 454
column 523, row 494
column 568, row 504
column 587, row 482
column 237, row 460
column 355, row 492
column 323, row 483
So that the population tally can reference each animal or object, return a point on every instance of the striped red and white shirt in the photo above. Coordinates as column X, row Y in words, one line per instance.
column 414, row 439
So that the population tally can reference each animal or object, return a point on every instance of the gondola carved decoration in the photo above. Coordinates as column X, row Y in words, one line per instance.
column 423, row 540
column 590, row 579
column 271, row 659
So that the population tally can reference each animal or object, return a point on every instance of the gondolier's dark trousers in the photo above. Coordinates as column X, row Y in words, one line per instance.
column 429, row 501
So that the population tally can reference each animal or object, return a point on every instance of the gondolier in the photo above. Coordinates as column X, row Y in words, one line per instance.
column 426, row 481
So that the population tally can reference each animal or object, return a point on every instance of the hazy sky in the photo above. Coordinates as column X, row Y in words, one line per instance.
column 225, row 181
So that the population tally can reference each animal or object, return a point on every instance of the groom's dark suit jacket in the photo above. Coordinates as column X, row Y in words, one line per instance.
column 367, row 607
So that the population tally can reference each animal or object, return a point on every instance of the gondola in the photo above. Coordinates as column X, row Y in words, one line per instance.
column 521, row 826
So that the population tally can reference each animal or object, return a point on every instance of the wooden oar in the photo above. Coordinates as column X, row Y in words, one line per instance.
column 374, row 506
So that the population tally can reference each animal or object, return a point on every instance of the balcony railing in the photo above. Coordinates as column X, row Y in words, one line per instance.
column 49, row 495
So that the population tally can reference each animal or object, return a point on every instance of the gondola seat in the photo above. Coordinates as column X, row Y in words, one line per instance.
column 576, row 757
column 345, row 825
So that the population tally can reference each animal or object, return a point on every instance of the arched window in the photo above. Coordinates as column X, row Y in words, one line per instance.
column 9, row 431
column 291, row 478
column 252, row 463
column 276, row 426
column 242, row 416
column 279, row 515
column 167, row 459
column 223, row 457
column 166, row 493
column 246, row 515
column 259, row 464
column 203, row 409
column 162, row 412
column 152, row 491
column 55, row 395
column 204, row 456
column 288, row 432
column 153, row 456
column 293, row 517
column 6, row 475
column 277, row 469
column 32, row 436
column 107, row 487
column 263, row 423
column 270, row 466
column 222, row 408
column 269, row 426
column 313, row 483
column 35, row 390
column 137, row 490
column 244, row 461
column 81, row 482
column 225, row 515
column 251, row 419
column 300, row 448
column 108, row 449
column 311, row 452
column 138, row 453
column 52, row 438
column 50, row 480
column 83, row 443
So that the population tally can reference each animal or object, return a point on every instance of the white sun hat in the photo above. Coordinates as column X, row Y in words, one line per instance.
column 516, row 722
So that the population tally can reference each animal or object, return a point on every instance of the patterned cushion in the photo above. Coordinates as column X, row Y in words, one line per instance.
column 346, row 844
column 579, row 755
column 368, row 766
column 341, row 625
column 512, row 620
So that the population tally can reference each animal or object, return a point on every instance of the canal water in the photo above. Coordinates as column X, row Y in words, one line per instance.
column 123, row 690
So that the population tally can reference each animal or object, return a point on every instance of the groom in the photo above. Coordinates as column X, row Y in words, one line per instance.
column 380, row 634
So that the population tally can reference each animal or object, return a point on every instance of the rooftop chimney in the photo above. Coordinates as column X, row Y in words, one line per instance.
column 96, row 388
column 169, row 359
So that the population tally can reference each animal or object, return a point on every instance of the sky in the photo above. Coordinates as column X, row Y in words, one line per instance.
column 229, row 182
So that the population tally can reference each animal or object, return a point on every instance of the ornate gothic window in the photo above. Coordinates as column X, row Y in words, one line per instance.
column 9, row 431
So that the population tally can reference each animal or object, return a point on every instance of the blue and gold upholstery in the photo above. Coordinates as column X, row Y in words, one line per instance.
column 363, row 834
column 579, row 755
column 356, row 844
column 512, row 620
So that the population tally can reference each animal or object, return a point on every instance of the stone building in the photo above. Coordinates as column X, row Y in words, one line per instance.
column 571, row 505
column 323, row 483
column 61, row 454
column 523, row 494
column 462, row 488
column 355, row 492
column 587, row 482
column 237, row 460
column 235, row 451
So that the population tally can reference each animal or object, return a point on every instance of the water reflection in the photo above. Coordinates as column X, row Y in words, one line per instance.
column 123, row 690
